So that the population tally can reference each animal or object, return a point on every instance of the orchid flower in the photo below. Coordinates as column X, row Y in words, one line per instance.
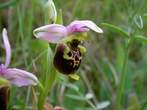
column 16, row 76
column 69, row 54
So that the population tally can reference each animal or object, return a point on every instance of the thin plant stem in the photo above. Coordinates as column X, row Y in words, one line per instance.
column 41, row 100
column 87, row 82
column 27, row 97
column 121, row 86
column 88, row 101
column 41, row 97
column 49, row 81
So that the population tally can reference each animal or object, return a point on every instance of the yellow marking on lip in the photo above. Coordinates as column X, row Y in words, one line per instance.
column 82, row 49
column 76, row 63
column 74, row 76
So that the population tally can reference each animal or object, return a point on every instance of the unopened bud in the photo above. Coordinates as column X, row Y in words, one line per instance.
column 51, row 9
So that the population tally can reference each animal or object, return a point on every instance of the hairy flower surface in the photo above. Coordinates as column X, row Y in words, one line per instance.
column 69, row 51
column 68, row 57
column 16, row 76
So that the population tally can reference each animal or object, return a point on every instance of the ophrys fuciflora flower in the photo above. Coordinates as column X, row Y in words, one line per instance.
column 69, row 51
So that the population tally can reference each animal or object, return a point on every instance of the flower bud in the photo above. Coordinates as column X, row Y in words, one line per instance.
column 51, row 9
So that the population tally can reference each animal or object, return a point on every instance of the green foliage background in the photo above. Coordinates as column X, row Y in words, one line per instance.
column 102, row 63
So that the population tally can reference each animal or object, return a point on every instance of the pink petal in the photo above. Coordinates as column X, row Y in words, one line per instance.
column 7, row 47
column 83, row 26
column 52, row 33
column 20, row 77
column 58, row 108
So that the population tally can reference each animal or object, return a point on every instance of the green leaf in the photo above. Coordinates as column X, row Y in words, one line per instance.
column 113, row 71
column 73, row 87
column 120, row 52
column 39, row 51
column 8, row 3
column 145, row 15
column 89, row 96
column 103, row 105
column 59, row 17
column 116, row 29
column 76, row 97
column 138, row 21
column 140, row 38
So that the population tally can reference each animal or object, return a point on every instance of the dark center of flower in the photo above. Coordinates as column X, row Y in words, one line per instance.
column 68, row 57
column 4, row 97
column 74, row 43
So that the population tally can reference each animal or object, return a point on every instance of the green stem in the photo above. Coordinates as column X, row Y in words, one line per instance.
column 41, row 101
column 50, row 77
column 41, row 96
column 121, row 86
column 45, row 91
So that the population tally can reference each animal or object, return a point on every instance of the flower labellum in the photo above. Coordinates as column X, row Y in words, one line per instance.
column 17, row 77
column 69, row 51
column 68, row 57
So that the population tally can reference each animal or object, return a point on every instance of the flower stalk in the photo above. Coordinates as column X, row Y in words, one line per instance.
column 121, row 86
column 49, row 78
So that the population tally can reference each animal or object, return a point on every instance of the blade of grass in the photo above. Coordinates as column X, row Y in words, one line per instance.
column 8, row 3
column 116, row 29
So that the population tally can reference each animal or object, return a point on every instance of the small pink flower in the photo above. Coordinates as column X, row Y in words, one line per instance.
column 16, row 76
column 54, row 32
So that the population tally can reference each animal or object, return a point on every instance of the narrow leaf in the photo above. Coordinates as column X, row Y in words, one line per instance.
column 138, row 21
column 116, row 29
column 73, row 87
column 8, row 3
column 103, row 105
column 59, row 17
column 140, row 38
column 75, row 97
